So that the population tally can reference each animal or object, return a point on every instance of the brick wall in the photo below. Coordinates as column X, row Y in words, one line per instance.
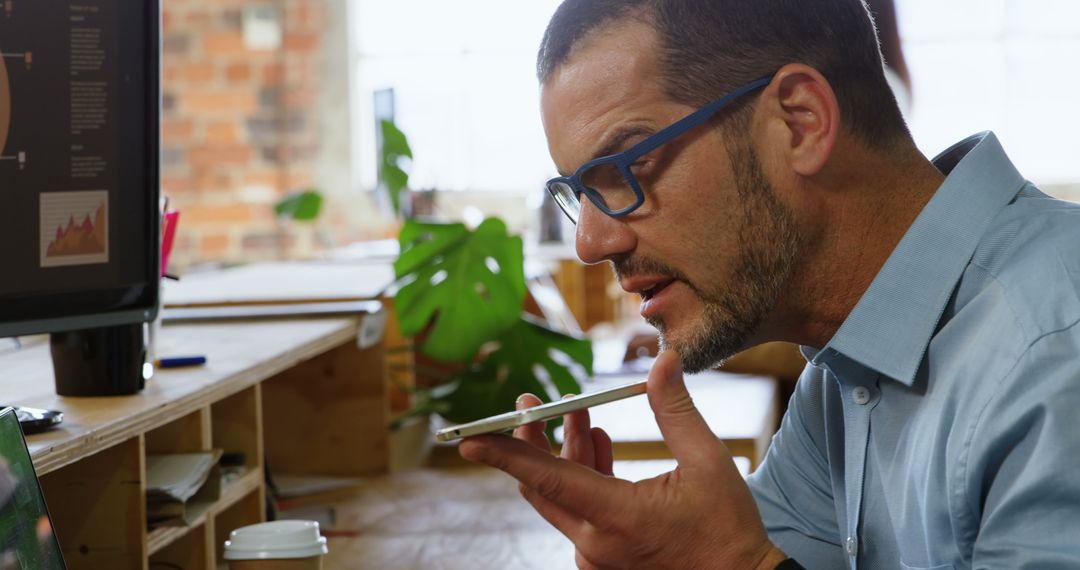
column 241, row 127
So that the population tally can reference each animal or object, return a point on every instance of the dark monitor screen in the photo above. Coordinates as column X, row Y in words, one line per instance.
column 79, row 214
column 27, row 540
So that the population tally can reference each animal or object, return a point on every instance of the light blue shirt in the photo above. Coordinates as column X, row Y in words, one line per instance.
column 940, row 427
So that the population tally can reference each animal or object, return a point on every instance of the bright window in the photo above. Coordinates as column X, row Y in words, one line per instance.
column 466, row 92
column 465, row 89
column 1009, row 66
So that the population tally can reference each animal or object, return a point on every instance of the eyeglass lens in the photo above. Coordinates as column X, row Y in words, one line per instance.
column 566, row 198
column 611, row 191
column 609, row 186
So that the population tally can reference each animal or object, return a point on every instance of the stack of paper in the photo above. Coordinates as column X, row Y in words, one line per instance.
column 175, row 481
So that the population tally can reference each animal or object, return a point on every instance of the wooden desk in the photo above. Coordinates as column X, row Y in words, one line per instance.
column 300, row 283
column 281, row 282
column 299, row 392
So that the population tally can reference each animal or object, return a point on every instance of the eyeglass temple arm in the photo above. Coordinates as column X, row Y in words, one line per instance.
column 667, row 134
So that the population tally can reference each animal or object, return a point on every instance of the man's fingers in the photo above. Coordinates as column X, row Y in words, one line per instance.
column 562, row 519
column 691, row 441
column 605, row 458
column 577, row 438
column 583, row 563
column 534, row 432
column 577, row 489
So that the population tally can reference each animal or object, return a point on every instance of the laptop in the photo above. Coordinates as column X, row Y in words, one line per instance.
column 27, row 540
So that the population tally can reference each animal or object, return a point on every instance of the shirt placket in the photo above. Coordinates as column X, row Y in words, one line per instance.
column 859, row 398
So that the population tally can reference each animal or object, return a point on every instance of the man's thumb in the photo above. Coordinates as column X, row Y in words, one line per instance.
column 685, row 432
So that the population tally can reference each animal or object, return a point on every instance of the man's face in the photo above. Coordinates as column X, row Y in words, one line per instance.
column 712, row 247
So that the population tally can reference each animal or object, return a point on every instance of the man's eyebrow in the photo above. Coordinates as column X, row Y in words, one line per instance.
column 619, row 138
column 616, row 140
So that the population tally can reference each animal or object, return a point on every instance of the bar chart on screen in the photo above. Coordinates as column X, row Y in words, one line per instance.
column 74, row 228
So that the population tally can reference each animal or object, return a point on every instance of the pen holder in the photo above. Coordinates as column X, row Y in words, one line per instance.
column 153, row 331
column 169, row 221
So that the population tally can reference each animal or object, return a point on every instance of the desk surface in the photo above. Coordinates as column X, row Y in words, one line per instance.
column 238, row 356
column 283, row 282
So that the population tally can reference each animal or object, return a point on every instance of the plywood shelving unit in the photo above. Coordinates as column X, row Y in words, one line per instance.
column 299, row 392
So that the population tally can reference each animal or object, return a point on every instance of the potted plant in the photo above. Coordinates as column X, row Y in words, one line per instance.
column 296, row 214
column 460, row 293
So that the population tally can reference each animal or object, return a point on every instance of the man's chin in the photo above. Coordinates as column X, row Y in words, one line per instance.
column 691, row 354
column 701, row 351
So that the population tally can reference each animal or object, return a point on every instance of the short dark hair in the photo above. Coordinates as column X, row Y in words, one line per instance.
column 710, row 47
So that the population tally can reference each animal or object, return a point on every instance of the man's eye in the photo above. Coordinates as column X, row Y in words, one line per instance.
column 603, row 177
column 641, row 166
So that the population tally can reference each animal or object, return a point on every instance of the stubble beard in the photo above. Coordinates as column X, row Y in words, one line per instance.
column 769, row 248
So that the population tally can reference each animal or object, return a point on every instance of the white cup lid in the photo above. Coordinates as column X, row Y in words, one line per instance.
column 274, row 540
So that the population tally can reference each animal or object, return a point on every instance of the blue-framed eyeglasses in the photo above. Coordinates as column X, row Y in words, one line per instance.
column 608, row 181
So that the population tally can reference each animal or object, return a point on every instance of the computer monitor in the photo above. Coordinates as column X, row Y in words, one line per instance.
column 79, row 182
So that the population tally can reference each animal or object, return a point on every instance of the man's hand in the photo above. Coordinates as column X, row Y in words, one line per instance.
column 701, row 515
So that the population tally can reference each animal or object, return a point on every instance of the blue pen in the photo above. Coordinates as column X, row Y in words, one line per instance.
column 180, row 361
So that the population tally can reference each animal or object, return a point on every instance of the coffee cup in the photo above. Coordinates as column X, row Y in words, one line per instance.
column 277, row 545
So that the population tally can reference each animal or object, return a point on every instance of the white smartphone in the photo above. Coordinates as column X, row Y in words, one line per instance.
column 510, row 420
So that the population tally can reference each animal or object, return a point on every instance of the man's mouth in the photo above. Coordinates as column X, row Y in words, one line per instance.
column 654, row 289
column 647, row 286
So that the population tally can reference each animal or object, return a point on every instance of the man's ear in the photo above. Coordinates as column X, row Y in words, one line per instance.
column 808, row 117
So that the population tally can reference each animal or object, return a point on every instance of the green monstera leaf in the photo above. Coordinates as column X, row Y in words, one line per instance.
column 395, row 146
column 467, row 286
column 515, row 365
column 300, row 206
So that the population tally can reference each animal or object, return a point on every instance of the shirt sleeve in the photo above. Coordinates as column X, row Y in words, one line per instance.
column 1021, row 484
column 793, row 488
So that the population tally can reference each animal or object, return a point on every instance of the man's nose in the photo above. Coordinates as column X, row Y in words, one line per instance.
column 600, row 237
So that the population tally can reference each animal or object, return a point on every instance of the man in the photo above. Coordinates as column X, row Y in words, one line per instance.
column 937, row 303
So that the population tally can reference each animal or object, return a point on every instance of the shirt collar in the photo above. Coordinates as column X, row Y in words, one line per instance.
column 892, row 324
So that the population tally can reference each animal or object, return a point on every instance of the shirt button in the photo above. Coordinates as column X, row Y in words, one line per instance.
column 851, row 546
column 860, row 395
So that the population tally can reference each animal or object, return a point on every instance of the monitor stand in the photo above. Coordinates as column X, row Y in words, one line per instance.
column 106, row 361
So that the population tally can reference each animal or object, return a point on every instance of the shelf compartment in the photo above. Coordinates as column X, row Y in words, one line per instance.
column 242, row 485
column 236, row 422
column 98, row 507
column 190, row 433
column 248, row 509
column 187, row 549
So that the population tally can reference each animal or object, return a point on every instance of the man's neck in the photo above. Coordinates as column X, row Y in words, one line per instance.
column 872, row 201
